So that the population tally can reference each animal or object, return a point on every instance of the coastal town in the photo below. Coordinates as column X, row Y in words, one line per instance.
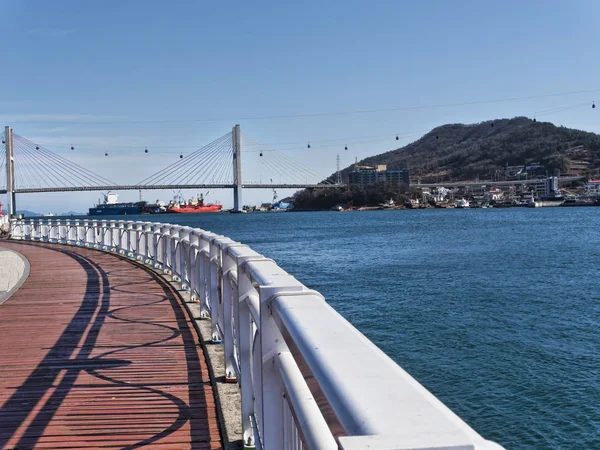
column 521, row 186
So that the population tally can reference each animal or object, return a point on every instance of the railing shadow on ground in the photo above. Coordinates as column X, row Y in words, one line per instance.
column 92, row 313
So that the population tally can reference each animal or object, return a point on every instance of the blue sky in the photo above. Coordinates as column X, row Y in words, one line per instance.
column 79, row 73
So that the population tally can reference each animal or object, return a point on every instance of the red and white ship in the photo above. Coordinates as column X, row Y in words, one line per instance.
column 193, row 206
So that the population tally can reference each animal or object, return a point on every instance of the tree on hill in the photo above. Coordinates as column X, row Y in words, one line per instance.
column 322, row 199
column 464, row 152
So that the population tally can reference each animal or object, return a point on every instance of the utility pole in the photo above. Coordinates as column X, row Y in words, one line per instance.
column 237, row 169
column 10, row 171
column 338, row 174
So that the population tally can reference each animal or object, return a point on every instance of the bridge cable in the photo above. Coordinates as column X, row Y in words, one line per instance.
column 208, row 165
column 289, row 162
column 70, row 169
column 45, row 166
column 226, row 174
column 185, row 162
column 271, row 167
column 56, row 166
column 225, row 162
column 41, row 175
column 190, row 159
column 204, row 162
column 27, row 167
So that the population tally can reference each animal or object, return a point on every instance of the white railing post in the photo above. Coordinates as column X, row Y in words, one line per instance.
column 163, row 247
column 174, row 261
column 194, row 264
column 194, row 271
column 141, row 236
column 204, row 274
column 113, row 234
column 98, row 233
column 166, row 252
column 104, row 235
column 155, row 250
column 173, row 249
column 66, row 231
column 184, row 257
column 91, row 229
column 248, row 344
column 129, row 240
column 17, row 229
column 49, row 231
column 79, row 233
column 156, row 247
column 214, row 289
column 60, row 230
column 246, row 340
column 272, row 343
column 36, row 229
column 146, row 237
column 72, row 231
column 121, row 238
column 28, row 231
column 52, row 231
column 185, row 251
column 229, row 294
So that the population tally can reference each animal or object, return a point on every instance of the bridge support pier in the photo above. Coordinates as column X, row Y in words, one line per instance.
column 237, row 169
column 11, row 208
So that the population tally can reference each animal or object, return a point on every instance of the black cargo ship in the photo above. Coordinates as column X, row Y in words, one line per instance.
column 111, row 207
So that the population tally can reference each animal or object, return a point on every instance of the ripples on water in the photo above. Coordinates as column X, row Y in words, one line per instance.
column 495, row 311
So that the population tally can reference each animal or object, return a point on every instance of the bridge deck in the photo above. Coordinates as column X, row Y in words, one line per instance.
column 97, row 352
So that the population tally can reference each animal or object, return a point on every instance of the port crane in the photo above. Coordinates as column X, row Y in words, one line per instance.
column 274, row 194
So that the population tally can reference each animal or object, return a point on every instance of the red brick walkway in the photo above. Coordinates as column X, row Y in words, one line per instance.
column 98, row 352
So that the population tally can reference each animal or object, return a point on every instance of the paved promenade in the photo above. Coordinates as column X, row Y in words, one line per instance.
column 96, row 351
column 14, row 269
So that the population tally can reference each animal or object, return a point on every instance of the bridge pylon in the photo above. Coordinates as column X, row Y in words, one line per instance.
column 10, row 171
column 237, row 169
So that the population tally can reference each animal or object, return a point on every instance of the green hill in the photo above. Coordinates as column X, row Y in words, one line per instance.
column 463, row 152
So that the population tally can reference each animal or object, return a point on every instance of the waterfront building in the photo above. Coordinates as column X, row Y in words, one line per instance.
column 523, row 171
column 546, row 187
column 578, row 167
column 593, row 187
column 366, row 175
column 579, row 158
column 494, row 194
column 438, row 195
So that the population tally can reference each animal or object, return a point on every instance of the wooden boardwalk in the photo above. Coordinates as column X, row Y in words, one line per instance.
column 97, row 352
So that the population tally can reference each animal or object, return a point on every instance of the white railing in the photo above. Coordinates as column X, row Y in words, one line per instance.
column 308, row 378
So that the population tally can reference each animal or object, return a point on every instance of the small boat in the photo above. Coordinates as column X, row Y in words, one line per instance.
column 462, row 204
column 350, row 207
column 388, row 205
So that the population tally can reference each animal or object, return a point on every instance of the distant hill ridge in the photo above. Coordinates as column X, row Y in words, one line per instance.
column 463, row 152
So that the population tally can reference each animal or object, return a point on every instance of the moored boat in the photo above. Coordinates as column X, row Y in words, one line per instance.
column 176, row 208
column 193, row 206
column 111, row 207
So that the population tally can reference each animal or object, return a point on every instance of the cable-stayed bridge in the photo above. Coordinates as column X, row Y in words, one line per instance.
column 32, row 168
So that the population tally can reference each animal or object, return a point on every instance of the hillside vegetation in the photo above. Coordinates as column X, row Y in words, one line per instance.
column 463, row 152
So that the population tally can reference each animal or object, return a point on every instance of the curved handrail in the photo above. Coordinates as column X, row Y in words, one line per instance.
column 308, row 378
